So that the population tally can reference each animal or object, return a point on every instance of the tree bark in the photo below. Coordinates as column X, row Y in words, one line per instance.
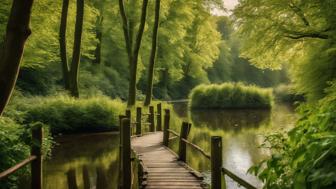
column 99, row 31
column 134, row 65
column 149, row 91
column 77, row 49
column 17, row 33
column 132, row 53
column 63, row 47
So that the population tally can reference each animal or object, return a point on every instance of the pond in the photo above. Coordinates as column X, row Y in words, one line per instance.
column 91, row 161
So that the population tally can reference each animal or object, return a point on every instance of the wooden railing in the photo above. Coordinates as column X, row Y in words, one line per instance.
column 217, row 169
column 35, row 159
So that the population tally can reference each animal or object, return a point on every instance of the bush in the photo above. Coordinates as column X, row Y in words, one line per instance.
column 305, row 157
column 69, row 115
column 286, row 94
column 12, row 150
column 15, row 147
column 230, row 95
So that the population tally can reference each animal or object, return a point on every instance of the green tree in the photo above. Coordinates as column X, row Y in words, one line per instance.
column 289, row 42
column 70, row 76
column 133, row 51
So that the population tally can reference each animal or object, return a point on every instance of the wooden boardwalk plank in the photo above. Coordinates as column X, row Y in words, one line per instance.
column 164, row 171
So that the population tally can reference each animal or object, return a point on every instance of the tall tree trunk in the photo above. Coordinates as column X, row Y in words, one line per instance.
column 132, row 52
column 17, row 33
column 99, row 31
column 63, row 47
column 134, row 66
column 77, row 49
column 149, row 91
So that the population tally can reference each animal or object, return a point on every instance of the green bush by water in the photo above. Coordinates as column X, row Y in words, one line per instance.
column 69, row 115
column 305, row 156
column 286, row 94
column 230, row 95
column 15, row 147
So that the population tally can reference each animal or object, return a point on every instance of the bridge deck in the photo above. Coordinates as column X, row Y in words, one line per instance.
column 163, row 169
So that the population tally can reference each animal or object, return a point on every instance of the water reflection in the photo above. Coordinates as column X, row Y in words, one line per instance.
column 91, row 161
column 242, row 132
column 85, row 161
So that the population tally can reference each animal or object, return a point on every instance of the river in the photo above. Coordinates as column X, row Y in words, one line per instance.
column 92, row 160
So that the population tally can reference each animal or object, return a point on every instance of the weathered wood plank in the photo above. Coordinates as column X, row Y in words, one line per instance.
column 164, row 171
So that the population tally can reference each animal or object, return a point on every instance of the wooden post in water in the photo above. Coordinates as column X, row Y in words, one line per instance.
column 36, row 165
column 138, row 121
column 151, row 119
column 166, row 127
column 216, row 162
column 126, row 153
column 183, row 146
column 159, row 117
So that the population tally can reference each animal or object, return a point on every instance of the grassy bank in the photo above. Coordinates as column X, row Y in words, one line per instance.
column 230, row 96
column 68, row 115
column 286, row 94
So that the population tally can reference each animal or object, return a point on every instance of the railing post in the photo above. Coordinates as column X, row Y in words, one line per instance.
column 183, row 146
column 36, row 150
column 159, row 117
column 138, row 121
column 166, row 127
column 128, row 115
column 151, row 119
column 126, row 153
column 216, row 162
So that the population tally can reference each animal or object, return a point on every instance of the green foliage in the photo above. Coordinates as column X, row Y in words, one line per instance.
column 305, row 43
column 286, row 93
column 305, row 157
column 69, row 115
column 13, row 149
column 230, row 95
column 231, row 67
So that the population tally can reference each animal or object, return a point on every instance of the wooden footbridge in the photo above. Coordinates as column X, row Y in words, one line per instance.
column 146, row 161
column 159, row 167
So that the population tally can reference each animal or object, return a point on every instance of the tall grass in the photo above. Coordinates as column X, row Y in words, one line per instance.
column 69, row 115
column 230, row 96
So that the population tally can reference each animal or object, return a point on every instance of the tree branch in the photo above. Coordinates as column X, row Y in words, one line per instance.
column 125, row 29
column 300, row 13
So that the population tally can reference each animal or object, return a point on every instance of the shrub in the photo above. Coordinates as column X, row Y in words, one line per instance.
column 12, row 150
column 15, row 147
column 230, row 95
column 69, row 115
column 286, row 93
column 305, row 157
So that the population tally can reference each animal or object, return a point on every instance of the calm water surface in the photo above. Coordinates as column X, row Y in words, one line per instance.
column 91, row 161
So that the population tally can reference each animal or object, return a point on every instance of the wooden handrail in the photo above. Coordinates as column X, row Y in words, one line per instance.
column 197, row 148
column 16, row 167
column 173, row 132
column 172, row 138
column 238, row 179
